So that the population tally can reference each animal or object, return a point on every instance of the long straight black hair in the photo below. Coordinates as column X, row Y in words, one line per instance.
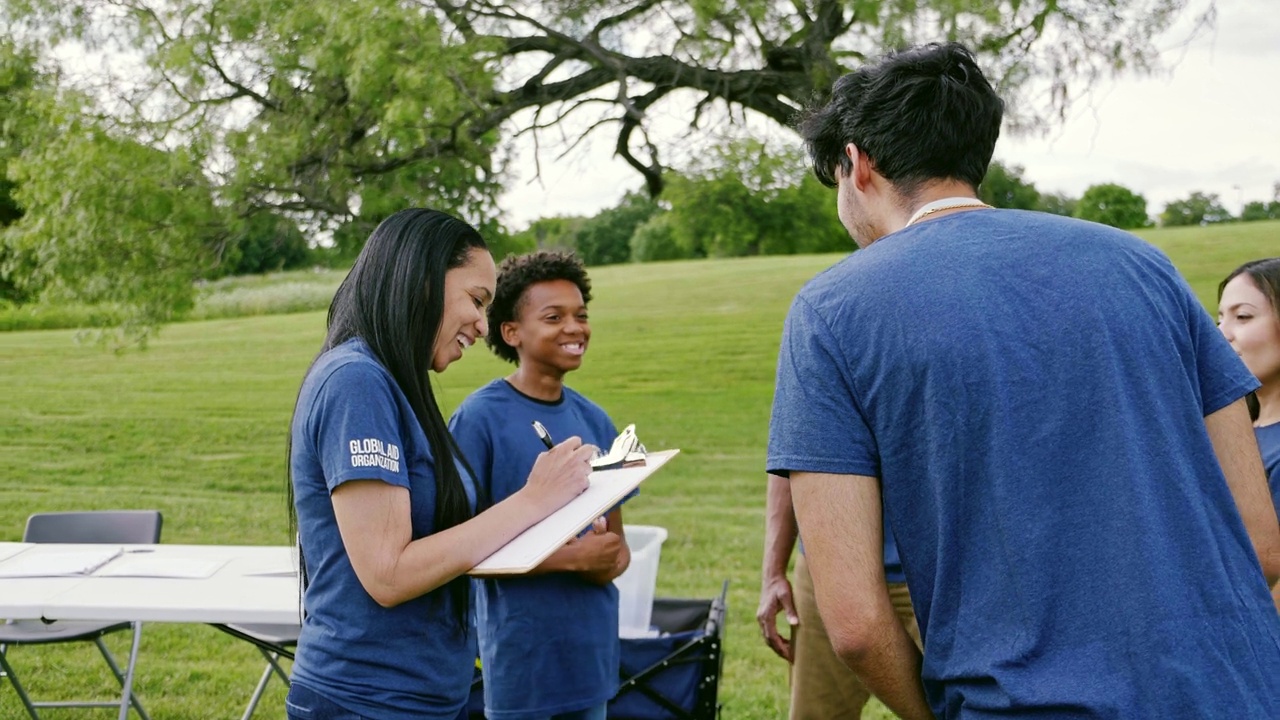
column 393, row 299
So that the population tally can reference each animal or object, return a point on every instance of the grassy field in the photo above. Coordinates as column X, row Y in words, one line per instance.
column 195, row 427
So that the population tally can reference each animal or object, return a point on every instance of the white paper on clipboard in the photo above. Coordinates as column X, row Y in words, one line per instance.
column 528, row 549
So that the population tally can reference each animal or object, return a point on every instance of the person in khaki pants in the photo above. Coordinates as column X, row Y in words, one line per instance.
column 822, row 686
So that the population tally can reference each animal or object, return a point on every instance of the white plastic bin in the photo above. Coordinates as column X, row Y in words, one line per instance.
column 636, row 585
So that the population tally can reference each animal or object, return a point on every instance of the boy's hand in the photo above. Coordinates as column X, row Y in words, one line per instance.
column 598, row 554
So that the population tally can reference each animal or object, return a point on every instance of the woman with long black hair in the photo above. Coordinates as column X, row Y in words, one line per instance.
column 385, row 505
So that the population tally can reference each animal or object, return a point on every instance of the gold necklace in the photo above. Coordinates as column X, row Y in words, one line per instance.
column 951, row 203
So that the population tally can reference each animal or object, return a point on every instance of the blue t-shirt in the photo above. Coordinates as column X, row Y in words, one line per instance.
column 352, row 422
column 548, row 643
column 1031, row 391
column 1269, row 443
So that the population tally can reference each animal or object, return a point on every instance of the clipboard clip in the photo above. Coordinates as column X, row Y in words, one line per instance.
column 626, row 451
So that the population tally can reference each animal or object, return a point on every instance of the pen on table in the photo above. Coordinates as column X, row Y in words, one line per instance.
column 543, row 435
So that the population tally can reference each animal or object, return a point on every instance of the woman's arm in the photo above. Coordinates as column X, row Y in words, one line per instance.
column 374, row 521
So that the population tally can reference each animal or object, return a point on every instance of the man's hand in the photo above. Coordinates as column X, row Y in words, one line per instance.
column 775, row 597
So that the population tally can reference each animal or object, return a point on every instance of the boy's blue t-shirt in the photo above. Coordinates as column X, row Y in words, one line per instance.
column 352, row 422
column 548, row 643
column 1269, row 444
column 1031, row 392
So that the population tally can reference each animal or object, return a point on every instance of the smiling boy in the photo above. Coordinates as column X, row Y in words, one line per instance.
column 548, row 640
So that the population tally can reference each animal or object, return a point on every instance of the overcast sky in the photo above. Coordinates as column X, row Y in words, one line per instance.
column 1210, row 123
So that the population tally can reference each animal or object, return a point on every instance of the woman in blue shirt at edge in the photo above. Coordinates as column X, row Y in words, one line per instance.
column 548, row 641
column 383, row 501
column 1249, row 317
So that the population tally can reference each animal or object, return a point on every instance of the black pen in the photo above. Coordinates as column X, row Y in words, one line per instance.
column 543, row 435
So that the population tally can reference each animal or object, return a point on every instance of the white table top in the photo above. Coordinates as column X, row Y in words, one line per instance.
column 255, row 584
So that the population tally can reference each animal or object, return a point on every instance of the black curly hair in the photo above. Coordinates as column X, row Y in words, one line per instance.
column 515, row 275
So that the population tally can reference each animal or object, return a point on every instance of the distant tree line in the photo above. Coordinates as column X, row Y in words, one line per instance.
column 749, row 200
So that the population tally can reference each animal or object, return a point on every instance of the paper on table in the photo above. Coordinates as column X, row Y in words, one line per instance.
column 59, row 563
column 160, row 567
column 534, row 545
column 8, row 550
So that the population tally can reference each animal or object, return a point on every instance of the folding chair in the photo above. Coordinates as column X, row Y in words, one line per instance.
column 675, row 676
column 116, row 526
column 274, row 642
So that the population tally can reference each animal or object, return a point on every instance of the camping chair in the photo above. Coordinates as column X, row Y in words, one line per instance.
column 115, row 526
column 674, row 676
column 274, row 642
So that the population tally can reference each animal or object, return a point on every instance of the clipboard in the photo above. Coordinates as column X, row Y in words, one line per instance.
column 528, row 549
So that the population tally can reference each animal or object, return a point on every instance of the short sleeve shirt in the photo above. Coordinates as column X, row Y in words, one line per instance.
column 1031, row 393
column 548, row 643
column 413, row 660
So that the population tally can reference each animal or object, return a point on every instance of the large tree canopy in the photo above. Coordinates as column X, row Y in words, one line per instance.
column 335, row 113
column 318, row 107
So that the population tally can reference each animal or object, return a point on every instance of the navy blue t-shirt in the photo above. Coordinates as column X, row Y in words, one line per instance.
column 548, row 643
column 352, row 422
column 1269, row 444
column 1031, row 391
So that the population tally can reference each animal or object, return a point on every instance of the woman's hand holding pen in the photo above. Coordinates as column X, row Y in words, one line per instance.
column 559, row 475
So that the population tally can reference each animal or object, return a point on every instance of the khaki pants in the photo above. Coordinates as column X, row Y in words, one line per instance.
column 822, row 686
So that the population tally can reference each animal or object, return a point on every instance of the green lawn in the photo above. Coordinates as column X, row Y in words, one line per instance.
column 195, row 427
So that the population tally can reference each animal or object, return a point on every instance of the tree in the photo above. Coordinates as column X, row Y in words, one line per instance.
column 1003, row 187
column 1198, row 209
column 113, row 221
column 1113, row 205
column 335, row 113
column 264, row 242
column 346, row 93
column 656, row 240
column 803, row 219
column 1258, row 210
column 1058, row 204
column 606, row 238
column 19, row 78
column 747, row 198
column 552, row 232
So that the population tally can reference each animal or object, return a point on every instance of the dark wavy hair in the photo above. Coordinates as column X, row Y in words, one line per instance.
column 515, row 275
column 921, row 114
column 393, row 299
column 1265, row 274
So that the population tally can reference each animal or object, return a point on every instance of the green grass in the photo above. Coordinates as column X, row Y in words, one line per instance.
column 195, row 427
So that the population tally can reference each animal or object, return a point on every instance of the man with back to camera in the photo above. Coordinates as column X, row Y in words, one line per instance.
column 1053, row 420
